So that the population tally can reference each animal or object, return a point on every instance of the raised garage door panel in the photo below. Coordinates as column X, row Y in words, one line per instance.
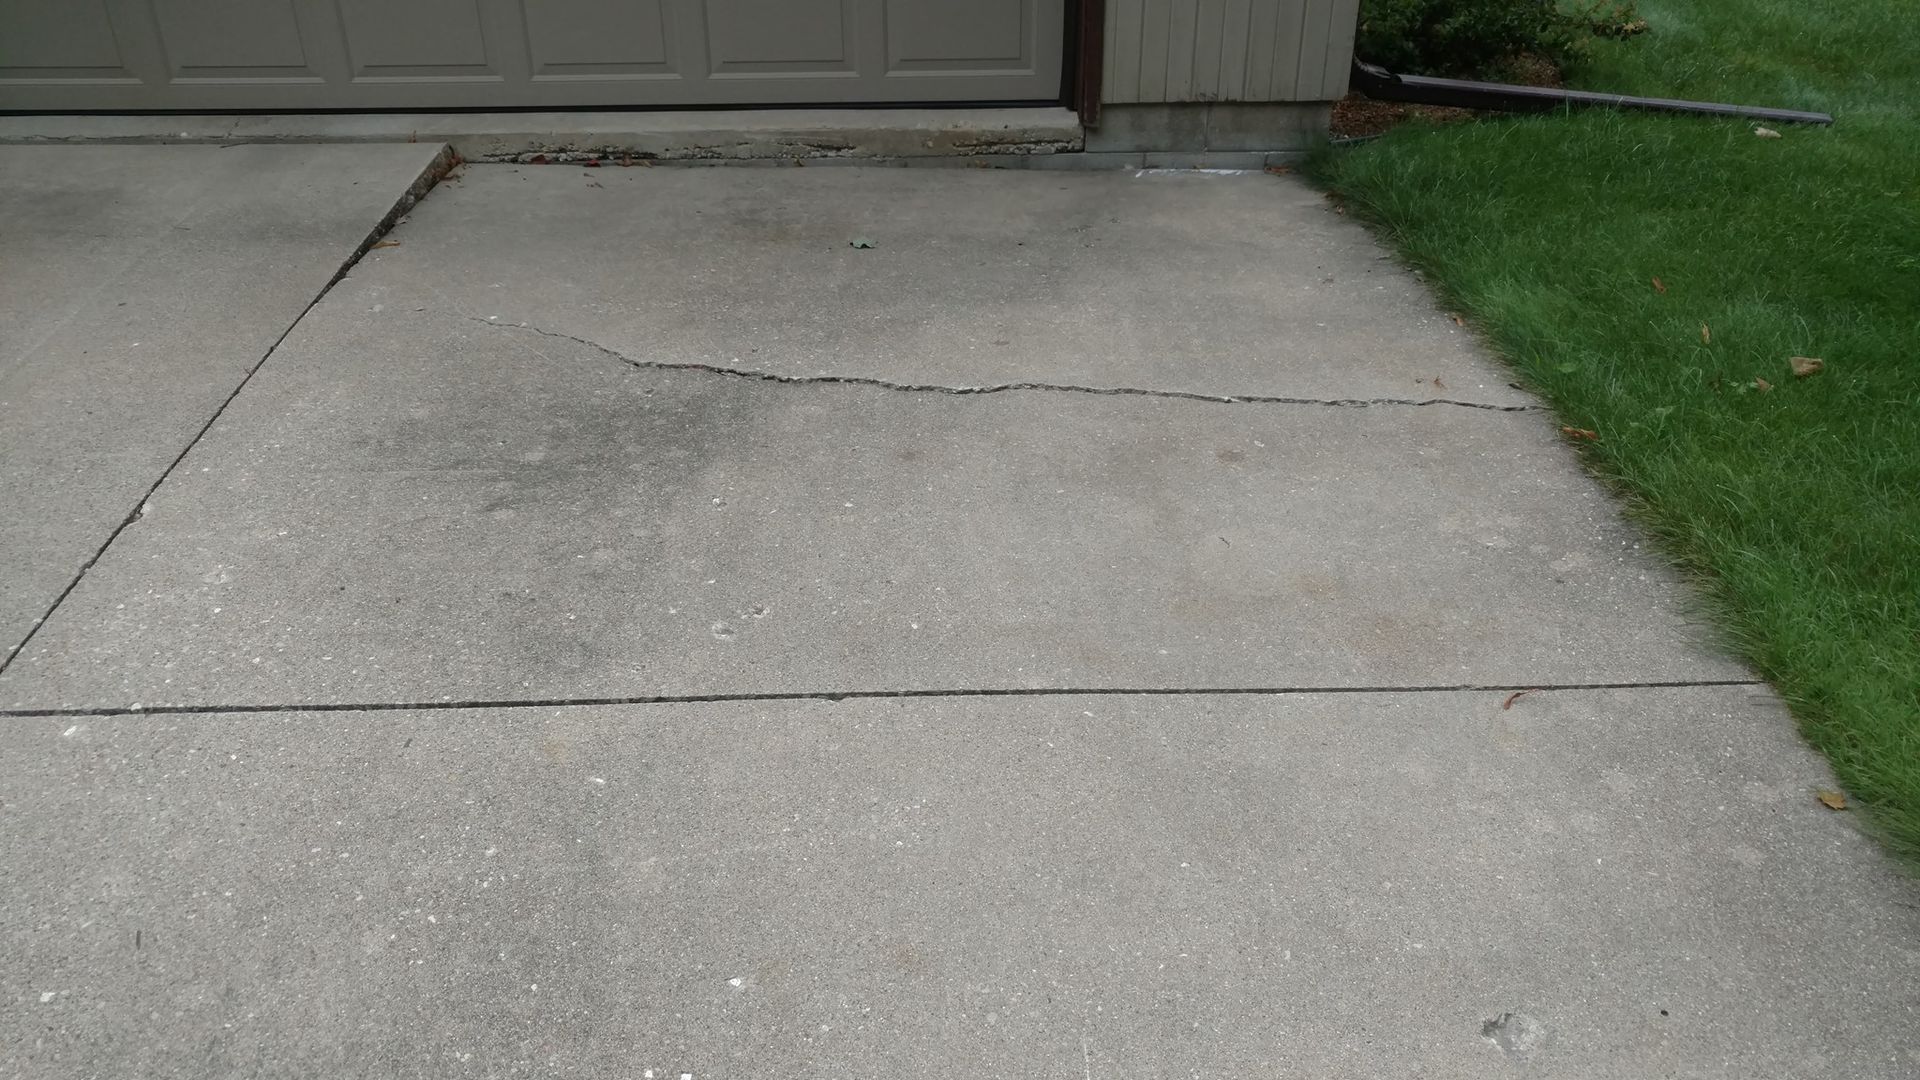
column 432, row 40
column 240, row 55
column 232, row 40
column 59, row 42
column 593, row 39
column 959, row 35
column 758, row 40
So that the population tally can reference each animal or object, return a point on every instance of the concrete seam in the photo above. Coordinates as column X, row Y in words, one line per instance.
column 863, row 695
column 442, row 163
column 1000, row 388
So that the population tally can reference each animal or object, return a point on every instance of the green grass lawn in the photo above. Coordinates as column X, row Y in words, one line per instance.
column 1798, row 507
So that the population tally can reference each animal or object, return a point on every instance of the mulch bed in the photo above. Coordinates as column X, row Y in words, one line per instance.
column 1355, row 116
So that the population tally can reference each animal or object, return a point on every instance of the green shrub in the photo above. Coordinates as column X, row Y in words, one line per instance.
column 1484, row 38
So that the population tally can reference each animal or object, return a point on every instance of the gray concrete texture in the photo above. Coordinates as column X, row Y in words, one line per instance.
column 1192, row 126
column 419, row 504
column 139, row 286
column 415, row 505
column 1222, row 285
column 1588, row 885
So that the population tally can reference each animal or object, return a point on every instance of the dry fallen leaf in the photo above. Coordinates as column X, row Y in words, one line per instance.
column 1766, row 133
column 1580, row 433
column 386, row 243
column 1659, row 286
column 1458, row 321
column 1513, row 697
column 1280, row 170
column 1804, row 366
column 1706, row 335
column 1834, row 800
column 1437, row 384
column 1762, row 385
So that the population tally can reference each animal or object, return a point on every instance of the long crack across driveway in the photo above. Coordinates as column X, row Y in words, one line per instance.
column 999, row 388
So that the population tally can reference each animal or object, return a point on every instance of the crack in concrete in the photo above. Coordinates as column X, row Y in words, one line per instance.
column 444, row 705
column 999, row 388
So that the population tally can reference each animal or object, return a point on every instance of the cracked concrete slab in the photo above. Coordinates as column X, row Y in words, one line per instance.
column 981, row 389
column 141, row 283
column 1585, row 886
column 411, row 506
column 1225, row 285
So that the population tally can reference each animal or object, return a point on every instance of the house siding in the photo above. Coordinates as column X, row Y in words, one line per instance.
column 1227, row 50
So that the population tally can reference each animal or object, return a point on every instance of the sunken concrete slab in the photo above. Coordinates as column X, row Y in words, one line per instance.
column 413, row 505
column 1164, row 280
column 1585, row 886
column 140, row 286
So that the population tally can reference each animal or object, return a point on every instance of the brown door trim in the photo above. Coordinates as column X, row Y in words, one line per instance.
column 1089, row 41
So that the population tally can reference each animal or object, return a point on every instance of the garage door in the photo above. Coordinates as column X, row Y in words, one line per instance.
column 243, row 55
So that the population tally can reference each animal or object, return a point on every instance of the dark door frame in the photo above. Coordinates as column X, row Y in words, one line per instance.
column 1086, row 49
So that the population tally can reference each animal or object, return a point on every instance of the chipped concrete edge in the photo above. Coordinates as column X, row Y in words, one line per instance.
column 877, row 144
column 748, row 135
column 995, row 138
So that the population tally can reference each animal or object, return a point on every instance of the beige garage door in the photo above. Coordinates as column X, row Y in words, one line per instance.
column 435, row 54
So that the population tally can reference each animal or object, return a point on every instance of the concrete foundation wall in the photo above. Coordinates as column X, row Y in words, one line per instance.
column 1195, row 127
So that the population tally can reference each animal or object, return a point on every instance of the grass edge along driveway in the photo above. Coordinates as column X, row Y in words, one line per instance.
column 1653, row 277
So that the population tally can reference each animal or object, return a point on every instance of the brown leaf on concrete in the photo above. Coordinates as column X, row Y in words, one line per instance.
column 386, row 243
column 1513, row 697
column 1457, row 320
column 1804, row 366
column 1437, row 384
column 1833, row 800
column 1584, row 434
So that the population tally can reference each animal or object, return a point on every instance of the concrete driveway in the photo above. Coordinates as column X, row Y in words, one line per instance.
column 625, row 629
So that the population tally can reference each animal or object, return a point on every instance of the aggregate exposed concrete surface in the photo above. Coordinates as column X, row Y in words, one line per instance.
column 412, row 505
column 138, row 285
column 1590, row 885
column 624, row 630
column 1163, row 281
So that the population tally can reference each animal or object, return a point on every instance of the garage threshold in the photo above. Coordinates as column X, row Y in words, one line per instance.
column 1025, row 137
column 663, row 136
